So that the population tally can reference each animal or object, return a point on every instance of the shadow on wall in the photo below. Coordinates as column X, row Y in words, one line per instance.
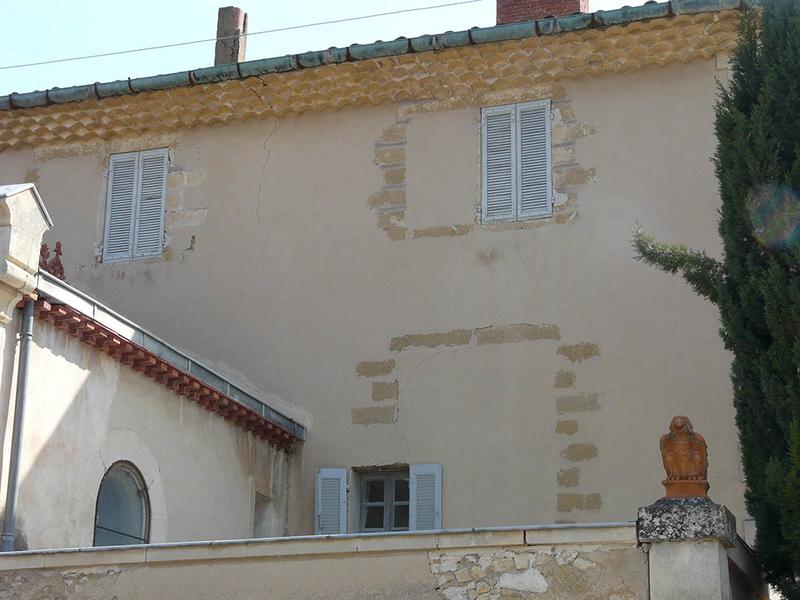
column 84, row 412
column 56, row 497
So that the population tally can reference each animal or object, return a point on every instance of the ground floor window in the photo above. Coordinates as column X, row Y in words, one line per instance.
column 385, row 501
column 365, row 498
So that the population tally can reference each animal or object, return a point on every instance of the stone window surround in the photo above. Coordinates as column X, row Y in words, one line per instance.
column 569, row 176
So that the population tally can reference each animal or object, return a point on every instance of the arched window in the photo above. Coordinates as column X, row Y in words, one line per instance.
column 122, row 516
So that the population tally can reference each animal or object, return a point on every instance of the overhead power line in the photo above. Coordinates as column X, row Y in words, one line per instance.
column 249, row 34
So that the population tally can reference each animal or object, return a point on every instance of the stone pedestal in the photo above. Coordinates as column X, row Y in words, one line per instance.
column 687, row 556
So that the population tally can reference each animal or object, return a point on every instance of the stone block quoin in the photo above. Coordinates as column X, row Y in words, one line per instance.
column 514, row 11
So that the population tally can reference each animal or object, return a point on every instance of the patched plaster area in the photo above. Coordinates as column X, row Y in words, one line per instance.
column 180, row 219
column 576, row 411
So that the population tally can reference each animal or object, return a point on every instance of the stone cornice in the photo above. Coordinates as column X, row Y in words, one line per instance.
column 454, row 77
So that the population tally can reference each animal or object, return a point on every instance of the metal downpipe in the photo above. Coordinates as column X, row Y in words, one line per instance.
column 10, row 514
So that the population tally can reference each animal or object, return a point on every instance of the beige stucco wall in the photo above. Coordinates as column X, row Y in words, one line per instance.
column 582, row 564
column 282, row 268
column 85, row 411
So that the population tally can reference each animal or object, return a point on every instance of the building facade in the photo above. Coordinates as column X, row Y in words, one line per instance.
column 425, row 245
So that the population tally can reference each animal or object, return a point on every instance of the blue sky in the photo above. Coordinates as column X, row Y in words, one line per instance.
column 36, row 30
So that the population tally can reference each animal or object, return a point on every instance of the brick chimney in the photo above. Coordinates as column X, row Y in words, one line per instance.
column 513, row 11
column 231, row 35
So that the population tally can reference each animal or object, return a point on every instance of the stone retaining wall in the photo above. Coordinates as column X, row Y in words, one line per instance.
column 578, row 562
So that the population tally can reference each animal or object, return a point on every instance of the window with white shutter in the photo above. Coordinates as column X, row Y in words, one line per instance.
column 499, row 181
column 425, row 497
column 137, row 183
column 331, row 501
column 382, row 499
column 118, row 239
column 516, row 158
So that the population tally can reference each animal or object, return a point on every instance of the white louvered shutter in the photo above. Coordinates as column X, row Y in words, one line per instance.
column 331, row 501
column 535, row 174
column 498, row 157
column 120, row 206
column 425, row 497
column 149, row 232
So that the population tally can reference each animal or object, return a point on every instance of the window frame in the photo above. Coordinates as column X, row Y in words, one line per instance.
column 389, row 503
column 144, row 497
column 516, row 175
column 133, row 253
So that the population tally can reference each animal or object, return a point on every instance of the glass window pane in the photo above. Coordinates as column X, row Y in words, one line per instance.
column 375, row 490
column 121, row 509
column 374, row 517
column 401, row 517
column 110, row 538
column 401, row 490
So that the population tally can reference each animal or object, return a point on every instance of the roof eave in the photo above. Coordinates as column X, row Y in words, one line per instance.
column 356, row 52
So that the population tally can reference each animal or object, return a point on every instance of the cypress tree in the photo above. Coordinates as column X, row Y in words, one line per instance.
column 756, row 285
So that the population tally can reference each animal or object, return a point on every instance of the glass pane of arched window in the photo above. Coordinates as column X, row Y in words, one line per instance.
column 121, row 509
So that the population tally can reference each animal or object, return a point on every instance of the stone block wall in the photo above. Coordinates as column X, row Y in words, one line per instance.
column 541, row 573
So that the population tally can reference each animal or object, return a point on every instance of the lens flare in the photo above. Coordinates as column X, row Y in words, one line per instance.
column 775, row 216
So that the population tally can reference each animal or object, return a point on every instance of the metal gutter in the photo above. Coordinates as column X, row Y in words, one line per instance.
column 52, row 288
column 379, row 49
column 12, row 492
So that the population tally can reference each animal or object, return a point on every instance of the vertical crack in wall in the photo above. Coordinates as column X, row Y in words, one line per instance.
column 262, row 182
column 259, row 198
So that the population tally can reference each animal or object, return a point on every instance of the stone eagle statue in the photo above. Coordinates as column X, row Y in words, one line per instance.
column 684, row 452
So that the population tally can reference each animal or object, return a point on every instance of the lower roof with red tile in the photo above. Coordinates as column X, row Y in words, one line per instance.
column 85, row 319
